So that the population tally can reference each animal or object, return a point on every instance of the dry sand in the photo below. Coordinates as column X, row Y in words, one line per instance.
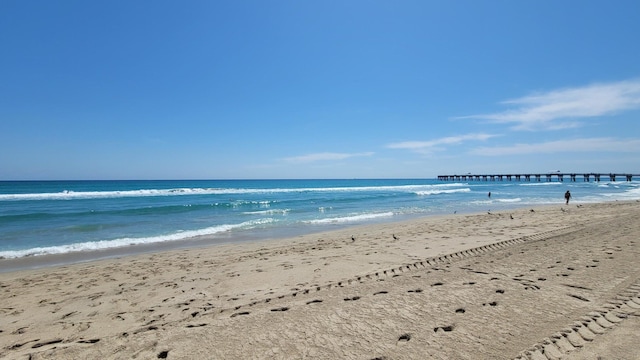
column 560, row 282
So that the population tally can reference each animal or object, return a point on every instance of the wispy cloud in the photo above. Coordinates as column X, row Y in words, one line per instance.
column 325, row 156
column 554, row 110
column 604, row 144
column 430, row 146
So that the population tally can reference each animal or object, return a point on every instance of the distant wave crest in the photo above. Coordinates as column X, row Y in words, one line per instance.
column 73, row 195
column 442, row 191
column 548, row 183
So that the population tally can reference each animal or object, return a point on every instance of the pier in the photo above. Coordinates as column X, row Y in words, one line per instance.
column 586, row 177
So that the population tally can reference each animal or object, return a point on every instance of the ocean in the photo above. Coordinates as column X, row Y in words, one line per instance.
column 39, row 218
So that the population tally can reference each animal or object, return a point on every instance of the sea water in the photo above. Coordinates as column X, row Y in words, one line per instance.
column 63, row 217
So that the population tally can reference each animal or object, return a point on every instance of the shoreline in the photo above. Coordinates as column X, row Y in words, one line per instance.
column 34, row 262
column 441, row 273
column 204, row 244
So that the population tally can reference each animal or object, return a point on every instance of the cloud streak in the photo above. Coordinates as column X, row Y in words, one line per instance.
column 554, row 110
column 325, row 156
column 430, row 146
column 604, row 144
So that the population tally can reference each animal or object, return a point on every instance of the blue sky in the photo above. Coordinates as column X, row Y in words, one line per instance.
column 317, row 89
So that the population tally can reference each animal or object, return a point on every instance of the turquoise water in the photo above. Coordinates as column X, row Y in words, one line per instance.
column 59, row 217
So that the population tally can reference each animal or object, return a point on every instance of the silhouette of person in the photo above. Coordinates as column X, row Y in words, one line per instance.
column 567, row 196
column 489, row 194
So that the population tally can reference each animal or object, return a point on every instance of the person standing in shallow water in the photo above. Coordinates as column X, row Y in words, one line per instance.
column 567, row 196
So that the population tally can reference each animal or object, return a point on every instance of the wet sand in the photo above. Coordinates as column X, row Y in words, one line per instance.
column 556, row 282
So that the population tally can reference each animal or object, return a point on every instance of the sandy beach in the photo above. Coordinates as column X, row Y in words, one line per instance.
column 555, row 282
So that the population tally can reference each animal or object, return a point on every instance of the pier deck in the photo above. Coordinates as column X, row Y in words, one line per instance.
column 538, row 177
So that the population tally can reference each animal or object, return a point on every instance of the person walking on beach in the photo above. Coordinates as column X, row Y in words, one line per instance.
column 567, row 196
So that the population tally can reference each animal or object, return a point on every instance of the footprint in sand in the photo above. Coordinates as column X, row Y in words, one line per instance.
column 68, row 314
column 240, row 313
column 447, row 328
column 89, row 341
column 50, row 342
column 19, row 331
column 579, row 297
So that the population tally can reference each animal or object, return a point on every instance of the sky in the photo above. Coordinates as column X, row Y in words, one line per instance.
column 317, row 89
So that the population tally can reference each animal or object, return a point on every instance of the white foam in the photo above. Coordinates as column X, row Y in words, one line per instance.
column 73, row 195
column 262, row 204
column 481, row 202
column 496, row 200
column 268, row 212
column 546, row 183
column 352, row 218
column 509, row 200
column 123, row 242
column 436, row 192
column 631, row 194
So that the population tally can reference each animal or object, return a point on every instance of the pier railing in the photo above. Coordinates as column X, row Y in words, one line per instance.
column 538, row 177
